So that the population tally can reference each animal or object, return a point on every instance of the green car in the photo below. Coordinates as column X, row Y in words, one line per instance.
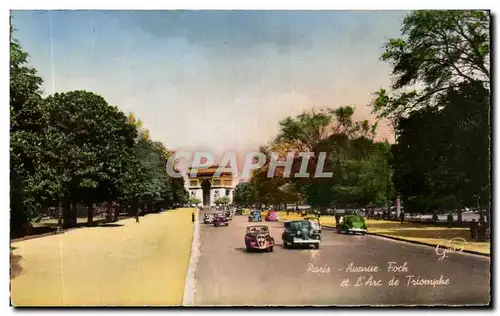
column 352, row 222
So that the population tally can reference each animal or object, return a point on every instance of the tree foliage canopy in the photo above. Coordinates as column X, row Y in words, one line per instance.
column 440, row 105
column 74, row 147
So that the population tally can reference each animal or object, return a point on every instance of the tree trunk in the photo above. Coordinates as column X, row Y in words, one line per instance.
column 117, row 212
column 66, row 214
column 90, row 214
column 74, row 214
column 459, row 214
column 109, row 211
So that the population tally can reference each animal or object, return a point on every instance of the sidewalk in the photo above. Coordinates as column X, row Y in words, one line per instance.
column 432, row 235
column 124, row 263
column 420, row 233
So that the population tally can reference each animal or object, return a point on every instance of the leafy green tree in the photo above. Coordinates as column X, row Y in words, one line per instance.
column 352, row 156
column 25, row 122
column 87, row 144
column 443, row 124
column 331, row 131
column 449, row 167
column 180, row 194
column 244, row 194
column 154, row 182
column 75, row 148
column 194, row 200
column 222, row 200
column 439, row 50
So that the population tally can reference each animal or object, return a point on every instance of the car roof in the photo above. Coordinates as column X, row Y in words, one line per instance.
column 257, row 226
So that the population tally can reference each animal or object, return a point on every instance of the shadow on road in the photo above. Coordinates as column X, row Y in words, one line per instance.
column 15, row 265
column 245, row 250
column 110, row 225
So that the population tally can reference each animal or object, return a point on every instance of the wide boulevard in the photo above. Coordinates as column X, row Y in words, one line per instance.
column 346, row 270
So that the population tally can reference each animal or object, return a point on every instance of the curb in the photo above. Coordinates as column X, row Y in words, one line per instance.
column 472, row 252
column 64, row 230
column 190, row 282
column 29, row 237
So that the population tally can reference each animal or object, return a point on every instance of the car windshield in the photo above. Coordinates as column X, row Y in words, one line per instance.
column 253, row 213
column 300, row 225
column 258, row 229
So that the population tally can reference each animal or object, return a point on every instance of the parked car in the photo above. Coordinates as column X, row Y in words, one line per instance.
column 220, row 220
column 255, row 216
column 353, row 223
column 208, row 218
column 257, row 237
column 272, row 216
column 301, row 232
column 42, row 217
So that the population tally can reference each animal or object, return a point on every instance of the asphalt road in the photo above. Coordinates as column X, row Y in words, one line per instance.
column 228, row 275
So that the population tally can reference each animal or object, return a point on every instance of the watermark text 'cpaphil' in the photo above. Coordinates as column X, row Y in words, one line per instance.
column 253, row 160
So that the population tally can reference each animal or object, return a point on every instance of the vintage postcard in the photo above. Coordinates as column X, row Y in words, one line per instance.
column 250, row 158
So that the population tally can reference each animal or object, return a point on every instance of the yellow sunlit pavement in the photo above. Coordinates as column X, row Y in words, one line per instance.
column 126, row 263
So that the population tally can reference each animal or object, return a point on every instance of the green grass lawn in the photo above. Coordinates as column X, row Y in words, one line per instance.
column 434, row 235
column 427, row 233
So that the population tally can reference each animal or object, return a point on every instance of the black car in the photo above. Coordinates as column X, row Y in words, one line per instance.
column 208, row 218
column 301, row 232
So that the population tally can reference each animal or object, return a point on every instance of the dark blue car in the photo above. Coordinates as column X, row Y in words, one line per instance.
column 255, row 216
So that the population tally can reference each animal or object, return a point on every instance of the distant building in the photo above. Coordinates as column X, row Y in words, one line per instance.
column 207, row 187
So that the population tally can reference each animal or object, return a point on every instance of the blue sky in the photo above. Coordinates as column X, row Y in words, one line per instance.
column 213, row 80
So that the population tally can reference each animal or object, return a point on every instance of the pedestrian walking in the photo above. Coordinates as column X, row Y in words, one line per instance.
column 192, row 217
column 402, row 217
column 137, row 215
